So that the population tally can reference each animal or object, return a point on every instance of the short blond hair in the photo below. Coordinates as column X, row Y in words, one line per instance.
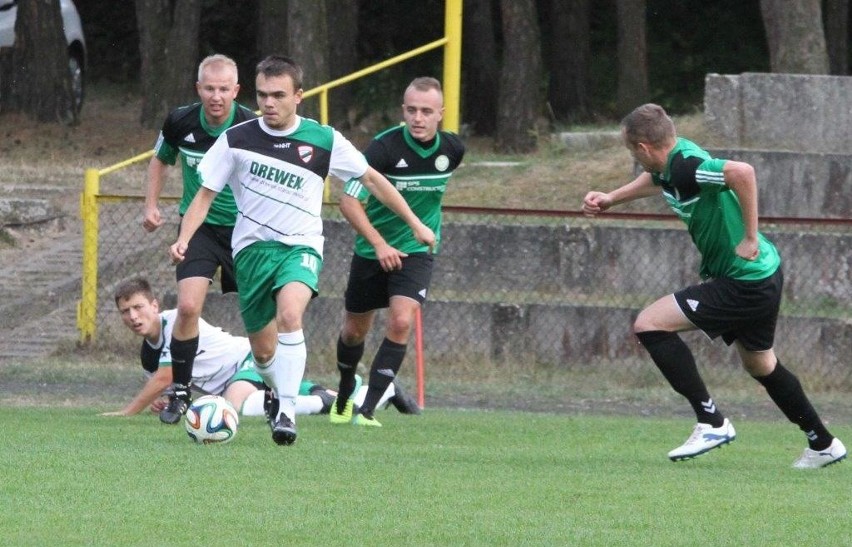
column 220, row 60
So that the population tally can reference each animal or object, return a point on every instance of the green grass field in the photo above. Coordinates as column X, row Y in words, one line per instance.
column 447, row 477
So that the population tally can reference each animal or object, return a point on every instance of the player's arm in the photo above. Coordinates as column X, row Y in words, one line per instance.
column 151, row 219
column 154, row 386
column 353, row 211
column 383, row 190
column 740, row 178
column 640, row 187
column 192, row 219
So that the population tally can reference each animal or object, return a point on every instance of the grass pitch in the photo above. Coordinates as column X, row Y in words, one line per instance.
column 447, row 477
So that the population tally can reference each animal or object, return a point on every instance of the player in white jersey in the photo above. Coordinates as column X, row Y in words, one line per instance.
column 223, row 366
column 276, row 166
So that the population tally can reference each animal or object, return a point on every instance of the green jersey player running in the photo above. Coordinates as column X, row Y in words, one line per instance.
column 390, row 267
column 188, row 132
column 741, row 294
column 276, row 166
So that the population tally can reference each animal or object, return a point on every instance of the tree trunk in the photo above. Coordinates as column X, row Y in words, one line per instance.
column 570, row 52
column 307, row 22
column 479, row 67
column 272, row 28
column 343, row 53
column 168, row 47
column 632, row 56
column 795, row 36
column 836, row 19
column 37, row 79
column 520, row 78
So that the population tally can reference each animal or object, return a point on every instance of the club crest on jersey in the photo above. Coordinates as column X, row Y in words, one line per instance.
column 442, row 162
column 306, row 153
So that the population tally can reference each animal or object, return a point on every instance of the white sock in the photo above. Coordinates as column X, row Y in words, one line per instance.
column 308, row 404
column 305, row 404
column 283, row 374
column 389, row 392
column 253, row 405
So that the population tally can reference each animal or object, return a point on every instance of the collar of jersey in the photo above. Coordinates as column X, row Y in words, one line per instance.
column 415, row 145
column 218, row 130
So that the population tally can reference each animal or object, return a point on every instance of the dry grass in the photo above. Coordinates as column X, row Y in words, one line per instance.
column 555, row 177
column 52, row 154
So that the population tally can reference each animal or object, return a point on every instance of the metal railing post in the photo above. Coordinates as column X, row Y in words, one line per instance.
column 87, row 307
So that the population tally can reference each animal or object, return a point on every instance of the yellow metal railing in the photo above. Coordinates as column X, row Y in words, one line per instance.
column 89, row 199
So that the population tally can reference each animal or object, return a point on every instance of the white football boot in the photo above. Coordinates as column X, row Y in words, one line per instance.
column 703, row 439
column 814, row 459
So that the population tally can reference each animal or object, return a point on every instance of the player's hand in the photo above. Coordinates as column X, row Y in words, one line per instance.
column 389, row 257
column 596, row 202
column 158, row 405
column 152, row 219
column 425, row 235
column 747, row 249
column 177, row 251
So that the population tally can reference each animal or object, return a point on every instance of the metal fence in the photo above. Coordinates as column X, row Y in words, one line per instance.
column 525, row 291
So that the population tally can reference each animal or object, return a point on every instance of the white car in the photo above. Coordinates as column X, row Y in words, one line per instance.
column 73, row 36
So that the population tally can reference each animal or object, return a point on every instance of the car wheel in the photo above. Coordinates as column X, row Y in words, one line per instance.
column 77, row 90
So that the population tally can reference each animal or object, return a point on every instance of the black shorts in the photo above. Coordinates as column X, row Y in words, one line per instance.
column 209, row 248
column 370, row 287
column 735, row 310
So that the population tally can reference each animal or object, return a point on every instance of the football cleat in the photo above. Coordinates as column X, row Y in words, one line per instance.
column 403, row 401
column 283, row 430
column 179, row 401
column 704, row 438
column 345, row 417
column 814, row 459
column 326, row 398
column 270, row 405
column 364, row 420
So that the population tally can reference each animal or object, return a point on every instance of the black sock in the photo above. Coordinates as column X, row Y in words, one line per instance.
column 347, row 365
column 786, row 392
column 386, row 364
column 675, row 361
column 183, row 357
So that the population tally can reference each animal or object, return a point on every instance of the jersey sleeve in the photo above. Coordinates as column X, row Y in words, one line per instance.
column 150, row 357
column 167, row 322
column 166, row 147
column 711, row 171
column 217, row 164
column 346, row 161
column 377, row 156
column 165, row 152
column 456, row 147
column 355, row 189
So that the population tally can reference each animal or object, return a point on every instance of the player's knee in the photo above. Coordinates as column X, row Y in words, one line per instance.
column 642, row 324
column 399, row 327
column 262, row 356
column 189, row 310
column 352, row 337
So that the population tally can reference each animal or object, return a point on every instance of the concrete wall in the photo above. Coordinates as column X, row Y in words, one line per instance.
column 568, row 294
column 797, row 184
column 800, row 113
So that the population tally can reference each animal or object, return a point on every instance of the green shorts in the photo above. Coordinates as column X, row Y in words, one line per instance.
column 264, row 267
column 247, row 372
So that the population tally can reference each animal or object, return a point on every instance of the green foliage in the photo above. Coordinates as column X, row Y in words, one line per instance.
column 685, row 41
column 443, row 478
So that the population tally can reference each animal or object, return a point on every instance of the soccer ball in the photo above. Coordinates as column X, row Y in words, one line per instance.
column 211, row 419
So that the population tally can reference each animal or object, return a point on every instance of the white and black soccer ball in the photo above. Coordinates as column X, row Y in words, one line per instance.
column 211, row 419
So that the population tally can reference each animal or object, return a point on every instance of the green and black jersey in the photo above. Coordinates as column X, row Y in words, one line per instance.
column 186, row 131
column 694, row 187
column 420, row 171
